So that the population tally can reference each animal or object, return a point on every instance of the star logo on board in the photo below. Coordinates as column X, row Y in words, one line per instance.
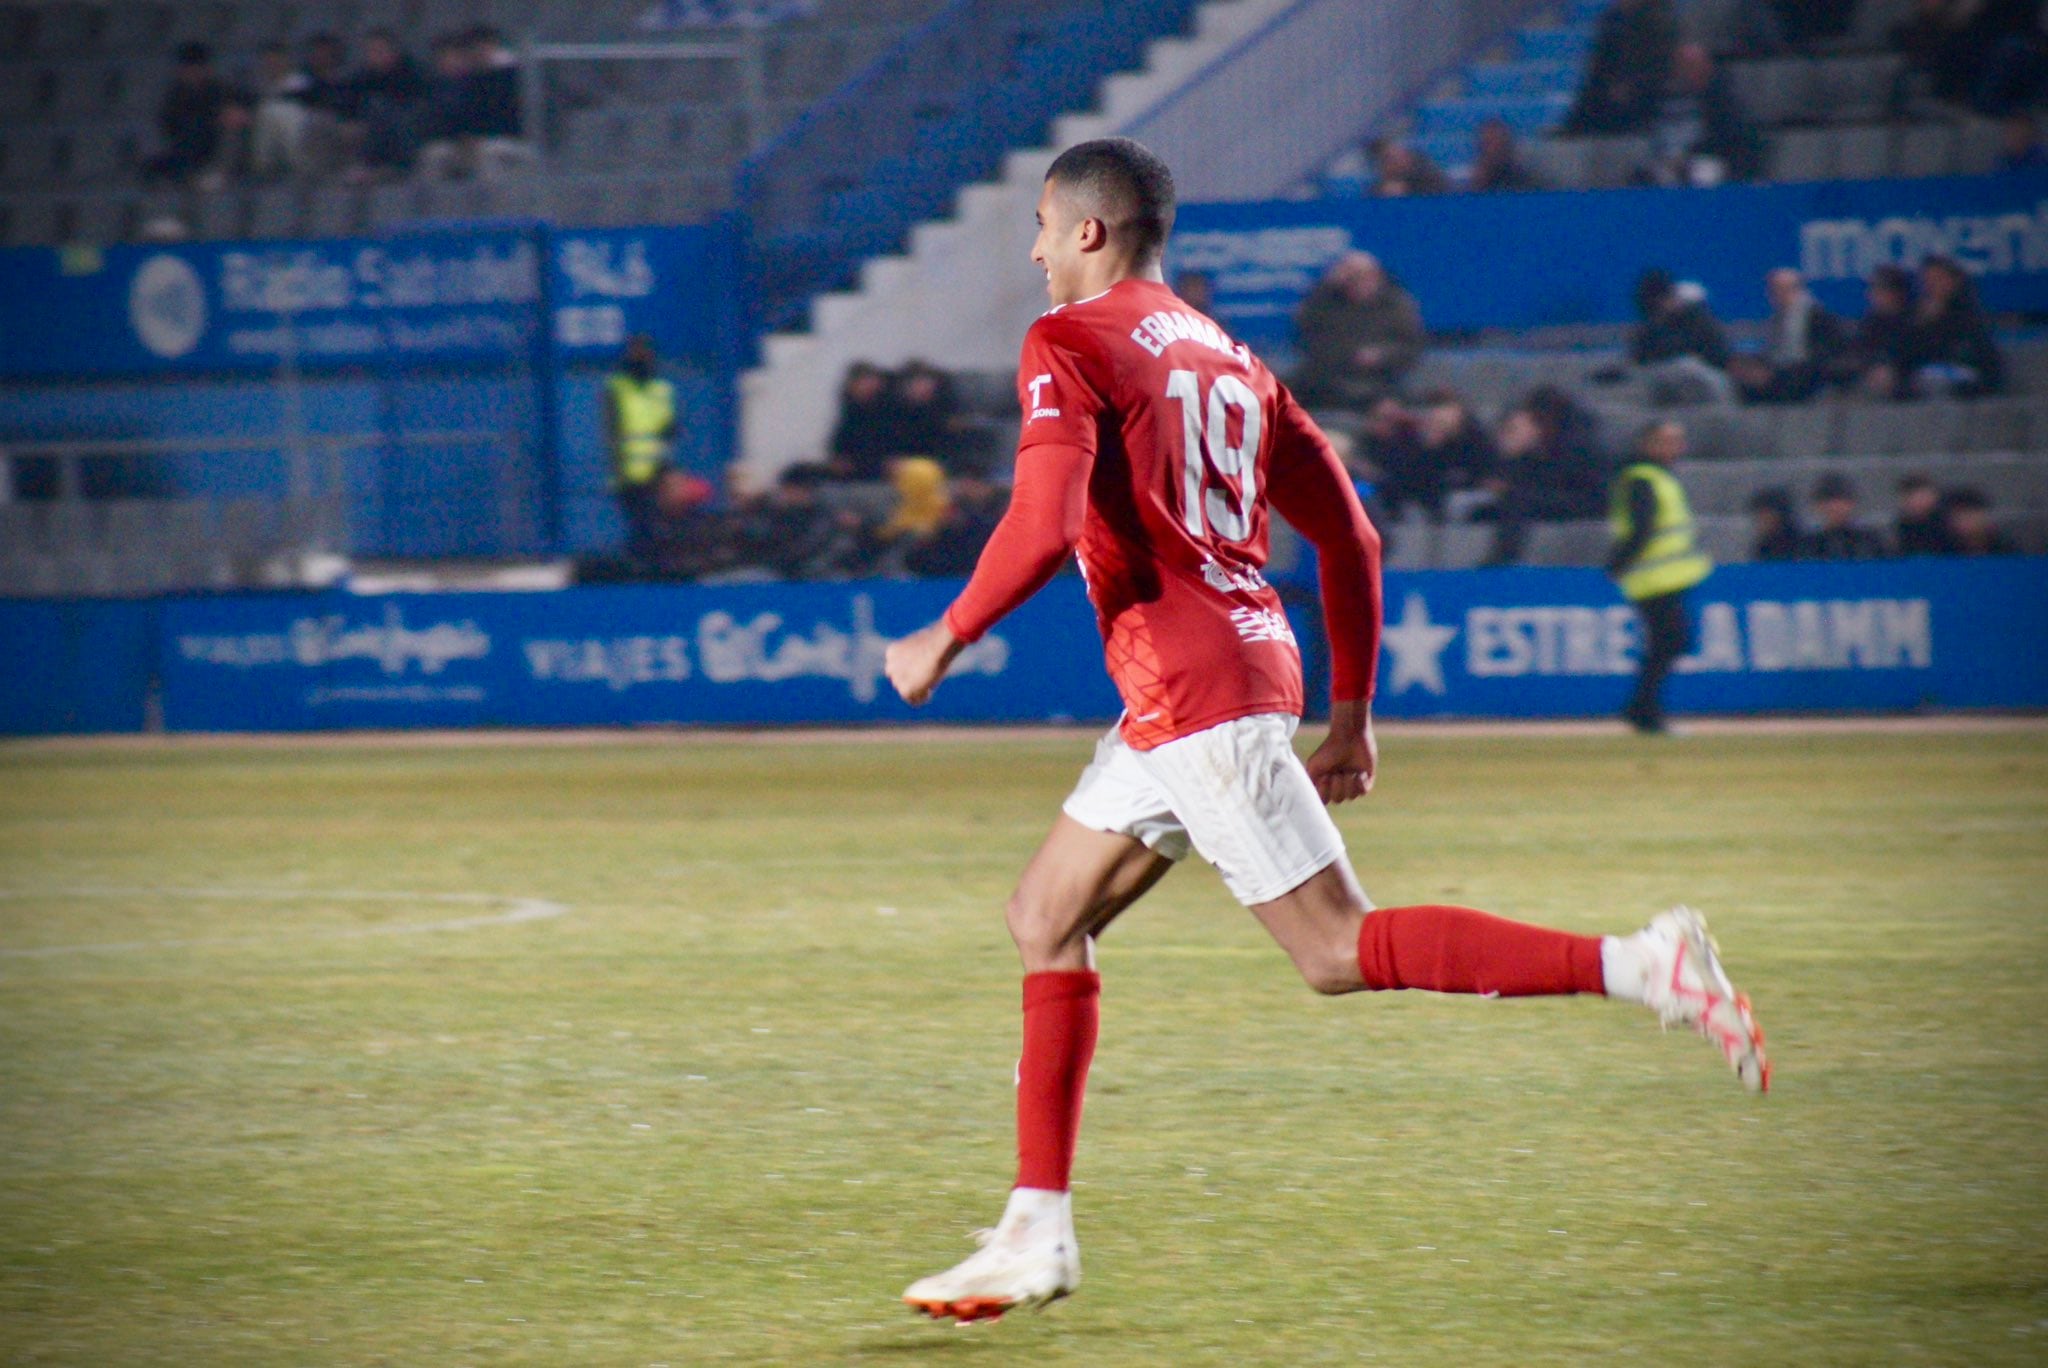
column 1417, row 645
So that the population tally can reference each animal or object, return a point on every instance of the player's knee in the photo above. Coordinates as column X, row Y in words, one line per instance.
column 1331, row 967
column 1040, row 932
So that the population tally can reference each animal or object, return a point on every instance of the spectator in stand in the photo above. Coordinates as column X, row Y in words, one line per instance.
column 1679, row 345
column 2008, row 56
column 277, row 132
column 1950, row 349
column 1196, row 290
column 1552, row 468
column 1399, row 170
column 1970, row 530
column 1803, row 346
column 445, row 125
column 1937, row 60
column 1702, row 135
column 390, row 91
column 928, row 417
column 1498, row 165
column 1361, row 333
column 1626, row 73
column 1921, row 527
column 1775, row 535
column 494, row 105
column 1878, row 354
column 870, row 421
column 1426, row 455
column 330, row 101
column 202, row 120
column 2019, row 144
column 923, row 501
column 790, row 532
column 1836, row 535
column 953, row 547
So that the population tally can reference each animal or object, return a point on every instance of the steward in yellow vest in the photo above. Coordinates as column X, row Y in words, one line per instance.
column 639, row 417
column 1655, row 557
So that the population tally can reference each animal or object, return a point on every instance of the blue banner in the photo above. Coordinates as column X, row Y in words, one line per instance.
column 1502, row 643
column 478, row 294
column 1782, row 637
column 1871, row 636
column 1517, row 261
column 782, row 653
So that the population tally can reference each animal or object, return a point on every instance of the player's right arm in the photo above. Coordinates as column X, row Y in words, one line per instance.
column 1048, row 501
column 1028, row 547
column 1310, row 488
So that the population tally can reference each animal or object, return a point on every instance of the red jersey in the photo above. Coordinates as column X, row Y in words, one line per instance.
column 1184, row 433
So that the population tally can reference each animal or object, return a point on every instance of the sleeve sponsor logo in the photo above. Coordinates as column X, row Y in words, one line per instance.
column 1039, row 409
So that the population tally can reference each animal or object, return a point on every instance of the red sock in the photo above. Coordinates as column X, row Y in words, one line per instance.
column 1460, row 950
column 1061, row 1010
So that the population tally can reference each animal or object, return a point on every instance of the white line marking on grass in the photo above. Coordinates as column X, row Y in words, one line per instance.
column 517, row 911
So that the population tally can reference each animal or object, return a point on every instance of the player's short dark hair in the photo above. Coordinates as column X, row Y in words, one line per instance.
column 1125, row 185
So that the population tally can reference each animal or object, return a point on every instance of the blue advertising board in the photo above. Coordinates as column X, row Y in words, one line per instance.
column 775, row 653
column 1870, row 636
column 475, row 294
column 1502, row 643
column 1774, row 637
column 1517, row 261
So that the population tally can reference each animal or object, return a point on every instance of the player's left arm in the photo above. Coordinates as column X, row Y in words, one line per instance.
column 1310, row 488
column 1028, row 547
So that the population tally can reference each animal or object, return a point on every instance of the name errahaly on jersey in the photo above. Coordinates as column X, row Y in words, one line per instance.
column 1158, row 331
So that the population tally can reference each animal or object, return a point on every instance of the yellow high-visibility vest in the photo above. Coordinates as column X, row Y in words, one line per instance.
column 1671, row 559
column 644, row 410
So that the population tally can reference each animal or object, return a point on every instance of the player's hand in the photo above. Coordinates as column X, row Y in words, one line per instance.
column 1342, row 768
column 915, row 664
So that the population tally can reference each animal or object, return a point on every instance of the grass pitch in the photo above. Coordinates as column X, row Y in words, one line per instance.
column 642, row 1052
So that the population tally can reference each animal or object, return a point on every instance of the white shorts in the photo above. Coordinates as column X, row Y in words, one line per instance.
column 1237, row 793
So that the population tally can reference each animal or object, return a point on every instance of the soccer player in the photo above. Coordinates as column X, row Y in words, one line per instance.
column 1154, row 445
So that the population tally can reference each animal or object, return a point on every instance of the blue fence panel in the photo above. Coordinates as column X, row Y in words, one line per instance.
column 1516, row 261
column 1873, row 636
column 77, row 666
column 764, row 654
column 1825, row 637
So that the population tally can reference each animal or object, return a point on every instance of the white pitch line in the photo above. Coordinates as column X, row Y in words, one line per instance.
column 517, row 911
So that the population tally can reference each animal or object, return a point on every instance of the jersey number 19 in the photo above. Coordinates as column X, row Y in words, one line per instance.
column 1208, row 447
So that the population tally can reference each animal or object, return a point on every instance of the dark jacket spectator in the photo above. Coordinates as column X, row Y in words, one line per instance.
column 928, row 419
column 951, row 549
column 1932, row 41
column 1676, row 323
column 1551, row 466
column 1921, row 528
column 1836, row 535
column 1967, row 515
column 1679, row 345
column 445, row 112
column 1498, row 165
column 329, row 86
column 1805, row 344
column 1400, row 170
column 1360, row 335
column 200, row 112
column 390, row 91
column 1950, row 348
column 1702, row 134
column 870, row 423
column 1625, row 74
column 494, row 86
column 791, row 532
column 1775, row 535
column 1422, row 456
column 1882, row 345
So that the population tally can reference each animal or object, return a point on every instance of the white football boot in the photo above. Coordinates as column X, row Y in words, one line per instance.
column 1030, row 1259
column 1686, row 985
